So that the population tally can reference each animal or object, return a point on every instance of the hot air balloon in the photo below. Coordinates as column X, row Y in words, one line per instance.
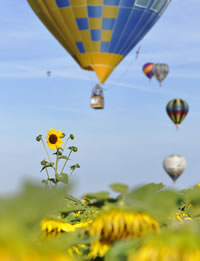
column 177, row 109
column 97, row 98
column 174, row 165
column 99, row 33
column 147, row 69
column 160, row 71
column 49, row 73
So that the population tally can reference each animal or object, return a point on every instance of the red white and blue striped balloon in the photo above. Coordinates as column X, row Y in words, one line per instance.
column 147, row 69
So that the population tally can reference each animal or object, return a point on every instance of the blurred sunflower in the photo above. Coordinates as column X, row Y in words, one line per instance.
column 54, row 139
column 173, row 246
column 118, row 224
column 76, row 250
column 53, row 227
column 182, row 217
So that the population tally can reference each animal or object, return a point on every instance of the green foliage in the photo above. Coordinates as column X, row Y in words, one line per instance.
column 121, row 188
column 63, row 177
column 153, row 199
column 20, row 217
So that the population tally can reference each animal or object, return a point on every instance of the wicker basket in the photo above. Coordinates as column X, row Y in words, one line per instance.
column 97, row 102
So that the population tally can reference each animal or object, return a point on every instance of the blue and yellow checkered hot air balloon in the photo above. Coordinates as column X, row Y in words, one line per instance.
column 99, row 33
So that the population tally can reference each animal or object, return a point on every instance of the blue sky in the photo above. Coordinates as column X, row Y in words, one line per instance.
column 127, row 141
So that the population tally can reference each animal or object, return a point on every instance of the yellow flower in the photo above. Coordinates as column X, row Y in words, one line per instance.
column 181, row 217
column 99, row 248
column 182, row 244
column 54, row 139
column 53, row 227
column 76, row 250
column 155, row 252
column 117, row 225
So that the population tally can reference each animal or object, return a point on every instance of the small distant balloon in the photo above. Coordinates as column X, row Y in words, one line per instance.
column 160, row 70
column 174, row 165
column 147, row 69
column 177, row 109
column 48, row 73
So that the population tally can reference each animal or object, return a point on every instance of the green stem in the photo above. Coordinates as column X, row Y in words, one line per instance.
column 57, row 157
column 47, row 153
column 65, row 143
column 66, row 162
column 71, row 173
column 47, row 174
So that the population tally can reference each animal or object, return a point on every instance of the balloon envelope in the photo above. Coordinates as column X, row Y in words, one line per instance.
column 174, row 165
column 147, row 69
column 99, row 33
column 177, row 110
column 48, row 73
column 160, row 70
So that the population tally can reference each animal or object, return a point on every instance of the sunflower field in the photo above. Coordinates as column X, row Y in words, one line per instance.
column 144, row 223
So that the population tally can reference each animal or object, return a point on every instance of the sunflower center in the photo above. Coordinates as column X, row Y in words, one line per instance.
column 53, row 138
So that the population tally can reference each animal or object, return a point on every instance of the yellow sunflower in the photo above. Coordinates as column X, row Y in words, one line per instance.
column 153, row 252
column 76, row 250
column 53, row 227
column 182, row 217
column 174, row 246
column 54, row 139
column 118, row 224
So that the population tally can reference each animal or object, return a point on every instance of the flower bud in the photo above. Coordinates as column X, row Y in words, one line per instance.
column 39, row 137
column 73, row 148
column 43, row 162
column 72, row 136
column 63, row 135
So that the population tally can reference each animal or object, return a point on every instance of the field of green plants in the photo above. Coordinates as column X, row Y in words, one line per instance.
column 148, row 223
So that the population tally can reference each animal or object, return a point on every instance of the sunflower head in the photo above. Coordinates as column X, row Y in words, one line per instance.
column 116, row 225
column 53, row 227
column 171, row 245
column 54, row 139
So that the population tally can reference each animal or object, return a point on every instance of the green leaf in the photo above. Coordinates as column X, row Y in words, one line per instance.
column 44, row 181
column 120, row 250
column 49, row 165
column 63, row 177
column 122, row 188
column 99, row 195
column 159, row 203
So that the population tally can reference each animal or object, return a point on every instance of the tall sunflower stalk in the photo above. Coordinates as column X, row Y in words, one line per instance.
column 55, row 142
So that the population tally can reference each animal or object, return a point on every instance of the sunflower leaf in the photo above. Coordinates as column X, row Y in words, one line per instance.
column 63, row 177
column 44, row 181
column 103, row 195
column 122, row 188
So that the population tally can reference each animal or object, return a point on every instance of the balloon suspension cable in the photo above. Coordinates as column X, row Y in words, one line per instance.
column 177, row 128
column 121, row 75
column 138, row 52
